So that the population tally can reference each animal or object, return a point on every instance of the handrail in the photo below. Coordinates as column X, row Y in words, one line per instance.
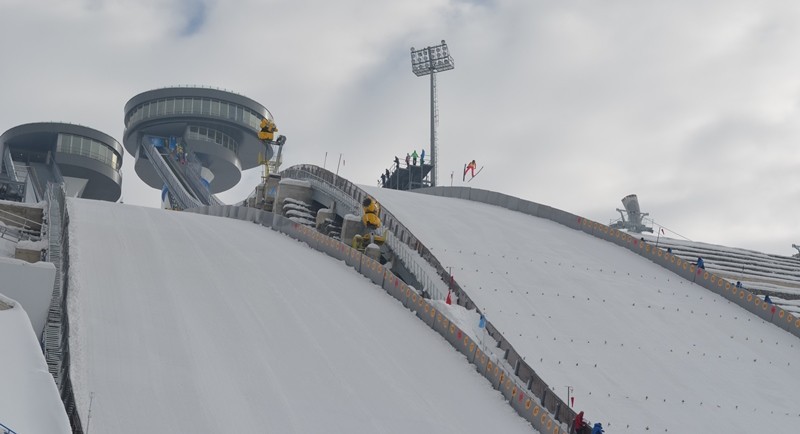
column 11, row 171
column 195, row 180
column 56, row 171
column 169, row 178
column 7, row 430
column 18, row 220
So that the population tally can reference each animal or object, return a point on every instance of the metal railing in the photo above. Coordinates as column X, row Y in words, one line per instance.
column 421, row 269
column 56, row 171
column 408, row 249
column 22, row 228
column 55, row 337
column 7, row 430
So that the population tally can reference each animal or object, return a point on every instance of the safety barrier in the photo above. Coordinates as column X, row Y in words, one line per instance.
column 708, row 280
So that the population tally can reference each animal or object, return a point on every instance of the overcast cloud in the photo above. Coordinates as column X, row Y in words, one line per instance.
column 692, row 105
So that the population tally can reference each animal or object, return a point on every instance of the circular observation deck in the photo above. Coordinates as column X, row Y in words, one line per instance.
column 220, row 128
column 89, row 160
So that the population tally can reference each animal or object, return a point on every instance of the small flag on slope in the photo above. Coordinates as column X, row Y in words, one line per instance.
column 448, row 300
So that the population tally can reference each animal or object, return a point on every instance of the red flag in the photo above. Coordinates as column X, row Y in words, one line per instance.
column 448, row 301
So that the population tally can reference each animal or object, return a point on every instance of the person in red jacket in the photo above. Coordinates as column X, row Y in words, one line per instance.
column 578, row 425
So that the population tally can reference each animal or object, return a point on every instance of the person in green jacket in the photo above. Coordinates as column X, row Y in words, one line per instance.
column 414, row 157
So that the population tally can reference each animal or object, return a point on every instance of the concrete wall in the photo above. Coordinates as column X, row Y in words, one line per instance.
column 31, row 285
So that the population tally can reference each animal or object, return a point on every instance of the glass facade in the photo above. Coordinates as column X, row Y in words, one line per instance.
column 194, row 106
column 79, row 145
column 214, row 136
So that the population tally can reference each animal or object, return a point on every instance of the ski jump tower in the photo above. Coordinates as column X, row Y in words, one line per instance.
column 193, row 142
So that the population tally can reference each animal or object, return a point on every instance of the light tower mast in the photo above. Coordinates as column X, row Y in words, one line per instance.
column 429, row 61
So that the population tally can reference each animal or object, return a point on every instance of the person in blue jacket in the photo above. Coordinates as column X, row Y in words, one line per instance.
column 700, row 263
column 598, row 428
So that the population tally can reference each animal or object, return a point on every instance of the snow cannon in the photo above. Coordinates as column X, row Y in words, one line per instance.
column 371, row 222
column 370, row 216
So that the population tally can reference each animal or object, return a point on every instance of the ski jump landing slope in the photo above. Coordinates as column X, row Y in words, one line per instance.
column 194, row 324
column 642, row 349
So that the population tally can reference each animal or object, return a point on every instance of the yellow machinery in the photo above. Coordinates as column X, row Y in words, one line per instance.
column 372, row 223
column 265, row 193
column 268, row 130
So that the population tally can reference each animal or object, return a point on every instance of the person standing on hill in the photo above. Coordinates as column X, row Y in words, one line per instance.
column 408, row 159
column 414, row 157
column 578, row 425
column 422, row 158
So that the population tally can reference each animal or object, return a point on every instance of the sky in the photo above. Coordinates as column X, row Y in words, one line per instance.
column 693, row 106
column 216, row 333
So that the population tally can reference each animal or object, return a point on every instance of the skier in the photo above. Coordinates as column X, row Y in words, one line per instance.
column 767, row 299
column 701, row 264
column 598, row 428
column 414, row 156
column 470, row 168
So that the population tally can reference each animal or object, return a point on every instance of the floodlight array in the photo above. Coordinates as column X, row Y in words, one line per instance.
column 431, row 59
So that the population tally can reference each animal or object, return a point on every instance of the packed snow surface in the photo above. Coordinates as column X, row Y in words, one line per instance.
column 188, row 323
column 29, row 399
column 642, row 349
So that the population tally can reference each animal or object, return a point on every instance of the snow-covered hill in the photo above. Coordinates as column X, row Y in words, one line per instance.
column 189, row 323
column 641, row 349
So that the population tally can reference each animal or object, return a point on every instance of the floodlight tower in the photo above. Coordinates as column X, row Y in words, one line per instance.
column 429, row 61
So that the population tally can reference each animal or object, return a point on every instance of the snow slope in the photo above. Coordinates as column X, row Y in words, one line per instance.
column 643, row 350
column 29, row 399
column 188, row 323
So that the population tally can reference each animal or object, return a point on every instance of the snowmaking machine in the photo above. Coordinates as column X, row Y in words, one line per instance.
column 265, row 192
column 372, row 226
